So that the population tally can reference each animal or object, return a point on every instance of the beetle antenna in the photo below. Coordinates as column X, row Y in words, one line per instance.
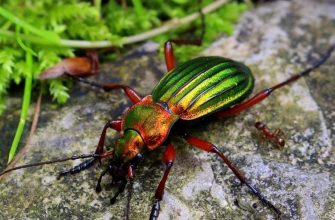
column 323, row 59
column 51, row 162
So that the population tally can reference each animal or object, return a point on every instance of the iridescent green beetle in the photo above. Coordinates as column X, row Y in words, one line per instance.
column 203, row 86
column 192, row 90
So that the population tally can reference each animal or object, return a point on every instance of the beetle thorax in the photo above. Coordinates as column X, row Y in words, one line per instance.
column 151, row 120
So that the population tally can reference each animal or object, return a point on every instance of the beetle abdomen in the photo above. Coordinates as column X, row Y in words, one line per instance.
column 204, row 85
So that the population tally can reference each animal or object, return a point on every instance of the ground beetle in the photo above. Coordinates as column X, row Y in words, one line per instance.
column 199, row 87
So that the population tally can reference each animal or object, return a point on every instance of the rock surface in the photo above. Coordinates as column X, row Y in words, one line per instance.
column 276, row 40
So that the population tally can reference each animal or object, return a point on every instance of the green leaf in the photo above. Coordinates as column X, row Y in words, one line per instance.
column 51, row 36
column 7, row 58
column 20, row 70
column 79, row 10
column 59, row 91
column 2, row 104
column 180, row 2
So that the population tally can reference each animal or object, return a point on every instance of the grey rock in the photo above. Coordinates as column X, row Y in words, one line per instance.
column 276, row 40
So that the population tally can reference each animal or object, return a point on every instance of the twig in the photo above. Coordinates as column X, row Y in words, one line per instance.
column 167, row 26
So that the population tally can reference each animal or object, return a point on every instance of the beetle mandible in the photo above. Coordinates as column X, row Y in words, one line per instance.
column 197, row 88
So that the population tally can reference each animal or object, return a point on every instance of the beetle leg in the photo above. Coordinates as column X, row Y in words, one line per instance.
column 130, row 93
column 168, row 158
column 209, row 147
column 98, row 187
column 168, row 48
column 169, row 56
column 114, row 124
column 267, row 92
column 130, row 191
column 121, row 188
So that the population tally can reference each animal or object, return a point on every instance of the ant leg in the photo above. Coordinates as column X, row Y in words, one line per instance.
column 114, row 124
column 267, row 92
column 168, row 158
column 209, row 147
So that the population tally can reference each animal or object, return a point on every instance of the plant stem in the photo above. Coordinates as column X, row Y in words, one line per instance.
column 47, row 35
column 25, row 106
column 168, row 26
column 26, row 148
column 27, row 37
column 97, row 5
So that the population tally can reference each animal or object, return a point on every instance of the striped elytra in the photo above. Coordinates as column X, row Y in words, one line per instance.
column 204, row 85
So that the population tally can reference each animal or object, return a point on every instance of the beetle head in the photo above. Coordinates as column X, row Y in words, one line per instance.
column 127, row 149
column 127, row 154
column 118, row 170
column 128, row 146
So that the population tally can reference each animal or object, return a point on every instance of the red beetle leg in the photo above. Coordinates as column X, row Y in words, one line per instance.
column 114, row 124
column 245, row 105
column 132, row 95
column 169, row 56
column 266, row 92
column 168, row 50
column 130, row 172
column 209, row 147
column 168, row 158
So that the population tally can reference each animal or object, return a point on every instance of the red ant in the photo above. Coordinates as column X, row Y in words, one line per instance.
column 275, row 137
